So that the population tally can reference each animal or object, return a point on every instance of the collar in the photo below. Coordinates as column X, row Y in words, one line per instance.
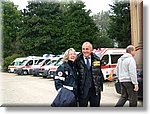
column 87, row 57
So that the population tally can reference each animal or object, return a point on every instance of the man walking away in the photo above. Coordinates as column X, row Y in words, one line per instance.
column 127, row 75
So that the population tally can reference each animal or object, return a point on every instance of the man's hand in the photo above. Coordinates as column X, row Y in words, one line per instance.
column 136, row 87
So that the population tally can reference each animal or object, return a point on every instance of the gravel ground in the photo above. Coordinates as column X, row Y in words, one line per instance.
column 36, row 91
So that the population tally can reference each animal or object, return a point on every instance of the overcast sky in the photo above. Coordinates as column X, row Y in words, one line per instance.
column 95, row 5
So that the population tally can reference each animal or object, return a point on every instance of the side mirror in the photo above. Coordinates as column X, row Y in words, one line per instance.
column 103, row 62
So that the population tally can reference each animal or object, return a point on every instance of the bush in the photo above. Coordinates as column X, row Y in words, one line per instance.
column 9, row 60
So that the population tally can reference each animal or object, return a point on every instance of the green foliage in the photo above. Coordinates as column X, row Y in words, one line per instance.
column 41, row 28
column 78, row 26
column 120, row 26
column 102, row 21
column 52, row 27
column 11, row 20
column 9, row 59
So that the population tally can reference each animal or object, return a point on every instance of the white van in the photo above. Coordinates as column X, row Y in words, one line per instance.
column 109, row 58
column 17, row 62
column 26, row 67
column 44, row 70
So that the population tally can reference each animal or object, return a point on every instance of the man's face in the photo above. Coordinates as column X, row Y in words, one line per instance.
column 133, row 53
column 86, row 50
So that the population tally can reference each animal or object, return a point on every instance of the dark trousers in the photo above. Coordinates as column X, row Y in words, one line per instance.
column 127, row 93
column 92, row 98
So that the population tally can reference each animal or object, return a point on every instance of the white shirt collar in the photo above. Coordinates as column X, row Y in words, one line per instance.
column 89, row 59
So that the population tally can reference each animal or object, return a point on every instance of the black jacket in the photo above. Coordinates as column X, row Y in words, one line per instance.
column 66, row 75
column 97, row 75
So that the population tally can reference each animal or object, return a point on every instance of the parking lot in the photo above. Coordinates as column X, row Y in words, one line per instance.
column 28, row 90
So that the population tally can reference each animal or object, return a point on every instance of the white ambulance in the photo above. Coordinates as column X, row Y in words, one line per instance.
column 26, row 67
column 109, row 58
column 17, row 62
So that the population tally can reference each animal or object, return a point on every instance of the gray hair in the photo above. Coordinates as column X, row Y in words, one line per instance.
column 90, row 45
column 130, row 48
column 66, row 54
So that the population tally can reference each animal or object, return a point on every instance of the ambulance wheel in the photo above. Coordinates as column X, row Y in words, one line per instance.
column 25, row 72
column 44, row 76
column 9, row 71
column 36, row 73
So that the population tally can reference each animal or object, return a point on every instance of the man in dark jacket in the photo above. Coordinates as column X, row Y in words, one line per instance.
column 90, row 79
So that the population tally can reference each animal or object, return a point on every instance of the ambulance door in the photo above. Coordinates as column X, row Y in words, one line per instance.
column 114, row 59
column 105, row 65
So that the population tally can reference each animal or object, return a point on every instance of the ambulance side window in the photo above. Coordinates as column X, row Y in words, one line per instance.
column 36, row 61
column 12, row 64
column 105, row 59
column 30, row 63
column 114, row 58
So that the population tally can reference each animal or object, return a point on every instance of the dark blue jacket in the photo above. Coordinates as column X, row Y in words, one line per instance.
column 65, row 98
column 66, row 74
